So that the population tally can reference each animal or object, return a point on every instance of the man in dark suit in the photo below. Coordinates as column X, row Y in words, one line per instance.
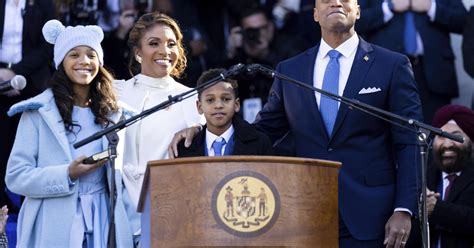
column 31, row 62
column 451, row 176
column 377, row 182
column 378, row 160
column 420, row 29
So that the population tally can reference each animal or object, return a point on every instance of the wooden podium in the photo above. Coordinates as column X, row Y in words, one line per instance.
column 240, row 201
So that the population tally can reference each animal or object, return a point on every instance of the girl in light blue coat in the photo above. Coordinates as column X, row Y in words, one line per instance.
column 66, row 201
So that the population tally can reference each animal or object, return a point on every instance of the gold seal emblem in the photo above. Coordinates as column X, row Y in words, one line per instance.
column 246, row 203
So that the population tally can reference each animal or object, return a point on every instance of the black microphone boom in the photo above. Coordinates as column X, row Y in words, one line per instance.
column 233, row 71
column 394, row 119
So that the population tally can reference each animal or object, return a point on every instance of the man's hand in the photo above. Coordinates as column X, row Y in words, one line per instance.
column 6, row 74
column 3, row 218
column 421, row 6
column 77, row 168
column 397, row 230
column 431, row 199
column 400, row 6
column 186, row 134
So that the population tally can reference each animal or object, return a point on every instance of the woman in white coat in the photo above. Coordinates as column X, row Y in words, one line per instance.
column 67, row 201
column 159, row 58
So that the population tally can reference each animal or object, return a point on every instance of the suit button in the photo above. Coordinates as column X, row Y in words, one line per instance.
column 330, row 149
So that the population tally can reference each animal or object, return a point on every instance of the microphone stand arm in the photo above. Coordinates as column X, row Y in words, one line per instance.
column 367, row 108
column 165, row 104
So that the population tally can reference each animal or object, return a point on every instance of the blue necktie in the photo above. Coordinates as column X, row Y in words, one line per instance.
column 330, row 83
column 410, row 33
column 217, row 146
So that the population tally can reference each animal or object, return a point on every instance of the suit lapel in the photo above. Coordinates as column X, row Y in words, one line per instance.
column 309, row 95
column 360, row 67
column 466, row 178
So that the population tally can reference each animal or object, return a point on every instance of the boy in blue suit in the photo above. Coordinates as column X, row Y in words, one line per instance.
column 225, row 133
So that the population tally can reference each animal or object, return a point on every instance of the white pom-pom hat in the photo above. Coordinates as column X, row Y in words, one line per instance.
column 66, row 38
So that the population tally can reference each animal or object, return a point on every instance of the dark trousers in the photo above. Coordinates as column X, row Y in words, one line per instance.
column 346, row 240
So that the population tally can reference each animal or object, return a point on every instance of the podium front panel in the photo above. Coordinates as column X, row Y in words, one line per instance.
column 243, row 201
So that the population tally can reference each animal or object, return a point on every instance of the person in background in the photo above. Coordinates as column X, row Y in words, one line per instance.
column 116, row 50
column 468, row 46
column 23, row 51
column 158, row 57
column 66, row 200
column 294, row 17
column 225, row 132
column 256, row 40
column 421, row 30
column 468, row 43
column 450, row 179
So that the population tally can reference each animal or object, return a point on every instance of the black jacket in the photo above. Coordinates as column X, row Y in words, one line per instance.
column 453, row 218
column 247, row 141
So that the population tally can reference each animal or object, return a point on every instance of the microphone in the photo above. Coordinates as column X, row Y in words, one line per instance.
column 233, row 70
column 253, row 69
column 18, row 82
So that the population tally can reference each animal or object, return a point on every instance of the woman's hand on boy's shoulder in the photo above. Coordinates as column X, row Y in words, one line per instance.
column 187, row 134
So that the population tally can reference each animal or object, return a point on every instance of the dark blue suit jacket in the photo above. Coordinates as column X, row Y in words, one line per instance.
column 438, row 55
column 379, row 162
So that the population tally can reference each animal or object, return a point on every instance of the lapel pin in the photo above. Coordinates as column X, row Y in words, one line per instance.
column 366, row 58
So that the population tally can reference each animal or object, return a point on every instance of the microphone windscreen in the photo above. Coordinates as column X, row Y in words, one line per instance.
column 18, row 82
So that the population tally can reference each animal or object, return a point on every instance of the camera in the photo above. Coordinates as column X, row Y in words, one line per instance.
column 141, row 6
column 251, row 36
column 83, row 12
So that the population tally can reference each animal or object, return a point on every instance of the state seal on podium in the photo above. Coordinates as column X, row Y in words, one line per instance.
column 245, row 203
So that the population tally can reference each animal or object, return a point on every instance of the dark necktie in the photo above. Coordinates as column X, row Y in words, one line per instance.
column 217, row 146
column 451, row 179
column 328, row 106
column 410, row 33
